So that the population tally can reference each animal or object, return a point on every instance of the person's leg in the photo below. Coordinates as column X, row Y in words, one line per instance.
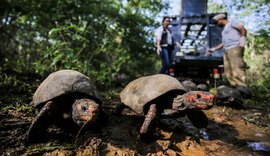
column 170, row 53
column 239, row 72
column 165, row 61
column 237, row 64
column 227, row 67
column 162, row 69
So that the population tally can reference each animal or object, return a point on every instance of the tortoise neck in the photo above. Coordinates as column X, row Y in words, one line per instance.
column 179, row 103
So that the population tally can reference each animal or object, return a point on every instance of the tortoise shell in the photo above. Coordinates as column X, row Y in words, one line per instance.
column 224, row 92
column 64, row 82
column 145, row 89
column 229, row 96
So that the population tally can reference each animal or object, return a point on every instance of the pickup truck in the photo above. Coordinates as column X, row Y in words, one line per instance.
column 195, row 35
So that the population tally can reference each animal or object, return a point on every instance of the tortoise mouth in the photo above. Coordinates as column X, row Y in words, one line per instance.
column 86, row 119
column 204, row 105
column 89, row 118
column 207, row 103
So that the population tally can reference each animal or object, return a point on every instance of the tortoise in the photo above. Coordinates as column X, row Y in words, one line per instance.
column 66, row 98
column 229, row 96
column 245, row 91
column 162, row 96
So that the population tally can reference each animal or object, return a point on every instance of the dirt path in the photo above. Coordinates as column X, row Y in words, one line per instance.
column 228, row 133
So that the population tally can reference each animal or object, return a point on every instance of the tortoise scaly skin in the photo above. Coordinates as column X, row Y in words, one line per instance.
column 196, row 99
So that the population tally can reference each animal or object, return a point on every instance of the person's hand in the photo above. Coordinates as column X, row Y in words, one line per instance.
column 158, row 49
column 211, row 50
column 242, row 41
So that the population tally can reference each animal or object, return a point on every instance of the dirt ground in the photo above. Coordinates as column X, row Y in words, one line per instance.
column 230, row 132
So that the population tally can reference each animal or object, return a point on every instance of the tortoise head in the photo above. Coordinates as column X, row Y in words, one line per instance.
column 197, row 100
column 85, row 111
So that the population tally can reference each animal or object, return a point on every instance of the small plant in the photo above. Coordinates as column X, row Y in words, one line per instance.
column 43, row 149
column 25, row 108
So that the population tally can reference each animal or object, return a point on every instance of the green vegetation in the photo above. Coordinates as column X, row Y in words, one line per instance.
column 99, row 38
column 102, row 39
column 38, row 150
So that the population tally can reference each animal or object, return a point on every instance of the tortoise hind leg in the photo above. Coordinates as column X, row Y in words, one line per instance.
column 149, row 119
column 41, row 122
column 197, row 117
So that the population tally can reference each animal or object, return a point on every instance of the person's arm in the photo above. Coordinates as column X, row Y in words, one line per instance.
column 158, row 47
column 242, row 30
column 158, row 40
column 243, row 33
column 213, row 49
column 158, row 36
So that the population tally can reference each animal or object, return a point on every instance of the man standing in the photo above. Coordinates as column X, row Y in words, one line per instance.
column 233, row 41
column 164, row 43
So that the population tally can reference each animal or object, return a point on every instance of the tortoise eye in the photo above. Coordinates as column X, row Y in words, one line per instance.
column 84, row 108
column 198, row 96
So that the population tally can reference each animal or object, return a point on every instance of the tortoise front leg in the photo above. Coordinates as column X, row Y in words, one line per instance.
column 41, row 121
column 149, row 119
